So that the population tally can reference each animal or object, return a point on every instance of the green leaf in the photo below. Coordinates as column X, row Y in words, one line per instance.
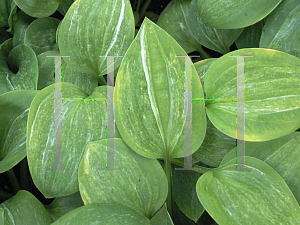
column 257, row 196
column 63, row 205
column 94, row 28
column 24, row 208
column 38, row 8
column 272, row 96
column 174, row 20
column 40, row 35
column 82, row 122
column 233, row 14
column 63, row 9
column 282, row 154
column 13, row 116
column 184, row 193
column 21, row 22
column 85, row 81
column 150, row 96
column 250, row 36
column 141, row 185
column 218, row 40
column 19, row 67
column 7, row 10
column 2, row 216
column 282, row 28
column 162, row 217
column 214, row 147
column 202, row 68
column 46, row 68
column 108, row 214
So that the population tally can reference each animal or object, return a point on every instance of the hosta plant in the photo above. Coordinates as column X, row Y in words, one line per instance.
column 149, row 112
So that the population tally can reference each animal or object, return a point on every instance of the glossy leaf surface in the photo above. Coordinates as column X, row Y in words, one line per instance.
column 93, row 28
column 282, row 28
column 98, row 214
column 142, row 185
column 256, row 196
column 218, row 40
column 63, row 205
column 13, row 116
column 233, row 14
column 19, row 68
column 174, row 20
column 24, row 208
column 82, row 122
column 40, row 35
column 272, row 94
column 150, row 96
column 38, row 8
column 282, row 154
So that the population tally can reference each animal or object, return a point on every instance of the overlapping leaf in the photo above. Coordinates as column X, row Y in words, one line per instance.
column 19, row 67
column 108, row 214
column 40, row 35
column 255, row 196
column 24, row 208
column 282, row 28
column 218, row 40
column 38, row 8
column 282, row 154
column 174, row 20
column 93, row 28
column 141, row 185
column 272, row 94
column 82, row 122
column 150, row 96
column 233, row 14
column 13, row 116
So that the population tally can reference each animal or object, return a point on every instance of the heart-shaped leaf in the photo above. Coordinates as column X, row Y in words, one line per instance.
column 218, row 40
column 94, row 28
column 82, row 122
column 271, row 91
column 174, row 20
column 24, row 208
column 38, row 8
column 108, row 214
column 40, row 35
column 162, row 217
column 19, row 67
column 141, row 185
column 233, row 14
column 63, row 205
column 13, row 116
column 282, row 154
column 150, row 96
column 282, row 28
column 255, row 196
